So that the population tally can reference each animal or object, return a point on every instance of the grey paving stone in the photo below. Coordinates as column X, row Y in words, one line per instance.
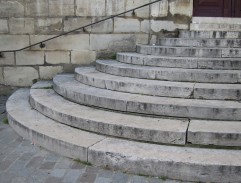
column 59, row 173
column 102, row 180
column 63, row 163
column 138, row 179
column 47, row 165
column 72, row 176
column 120, row 178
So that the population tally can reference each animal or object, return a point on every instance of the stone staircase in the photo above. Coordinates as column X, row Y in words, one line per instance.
column 170, row 110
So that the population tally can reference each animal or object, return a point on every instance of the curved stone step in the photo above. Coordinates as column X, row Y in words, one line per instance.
column 168, row 74
column 71, row 89
column 180, row 62
column 188, row 42
column 141, row 128
column 183, row 163
column 210, row 34
column 189, row 52
column 91, row 77
column 46, row 132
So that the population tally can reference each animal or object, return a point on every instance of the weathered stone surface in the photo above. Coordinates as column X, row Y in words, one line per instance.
column 165, row 106
column 1, row 75
column 215, row 27
column 102, row 27
column 21, row 25
column 57, row 57
column 12, row 8
column 143, row 12
column 126, row 25
column 3, row 26
column 11, row 42
column 37, row 8
column 158, row 130
column 158, row 25
column 61, row 7
column 90, row 8
column 181, row 7
column 114, row 7
column 222, row 133
column 30, row 58
column 20, row 76
column 46, row 132
column 199, row 165
column 73, row 23
column 116, row 42
column 48, row 25
column 83, row 57
column 159, row 9
column 70, row 42
column 145, row 26
column 48, row 72
column 7, row 59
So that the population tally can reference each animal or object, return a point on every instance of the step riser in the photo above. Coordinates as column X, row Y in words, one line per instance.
column 172, row 42
column 190, row 91
column 134, row 104
column 104, row 128
column 171, row 75
column 189, row 52
column 215, row 27
column 210, row 34
column 187, row 63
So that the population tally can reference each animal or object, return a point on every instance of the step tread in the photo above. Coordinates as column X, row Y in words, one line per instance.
column 67, row 86
column 19, row 109
column 90, row 76
column 108, row 122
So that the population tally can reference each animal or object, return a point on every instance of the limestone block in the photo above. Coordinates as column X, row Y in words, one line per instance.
column 21, row 25
column 159, row 9
column 61, row 7
column 37, row 8
column 102, row 27
column 11, row 42
column 7, row 58
column 13, row 8
column 74, row 23
column 145, row 26
column 117, row 42
column 57, row 57
column 83, row 57
column 1, row 76
column 20, row 76
column 158, row 25
column 48, row 25
column 143, row 12
column 48, row 72
column 3, row 26
column 90, row 8
column 114, row 7
column 181, row 7
column 30, row 58
column 70, row 42
column 126, row 25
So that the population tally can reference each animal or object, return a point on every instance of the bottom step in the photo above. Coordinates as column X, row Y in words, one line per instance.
column 183, row 163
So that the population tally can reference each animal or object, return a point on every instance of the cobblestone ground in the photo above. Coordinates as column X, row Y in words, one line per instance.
column 21, row 162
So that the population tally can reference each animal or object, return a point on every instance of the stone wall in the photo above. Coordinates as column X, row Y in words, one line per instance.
column 25, row 22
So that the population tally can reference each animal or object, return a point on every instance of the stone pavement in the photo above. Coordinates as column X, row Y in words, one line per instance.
column 22, row 162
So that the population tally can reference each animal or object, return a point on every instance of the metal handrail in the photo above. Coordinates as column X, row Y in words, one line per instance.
column 42, row 45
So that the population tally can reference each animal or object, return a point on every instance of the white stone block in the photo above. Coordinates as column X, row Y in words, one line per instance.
column 57, row 57
column 37, row 8
column 102, row 27
column 126, row 25
column 48, row 72
column 114, row 7
column 74, row 23
column 1, row 76
column 7, row 59
column 181, row 7
column 12, row 8
column 3, row 26
column 11, row 42
column 20, row 76
column 159, row 9
column 145, row 26
column 158, row 25
column 83, row 57
column 48, row 25
column 61, row 7
column 21, row 25
column 143, row 12
column 30, row 58
column 90, row 8
column 70, row 42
